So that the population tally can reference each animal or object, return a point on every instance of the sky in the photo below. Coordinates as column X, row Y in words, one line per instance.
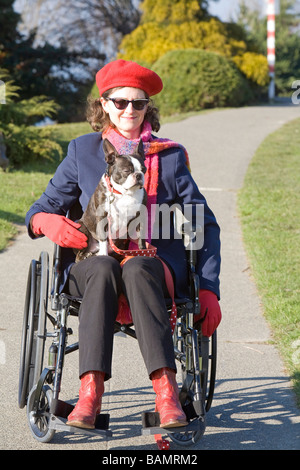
column 227, row 9
column 224, row 9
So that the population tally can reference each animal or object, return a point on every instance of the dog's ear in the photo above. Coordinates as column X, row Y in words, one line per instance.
column 140, row 150
column 140, row 155
column 109, row 151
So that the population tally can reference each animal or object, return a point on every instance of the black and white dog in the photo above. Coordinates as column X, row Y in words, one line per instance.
column 119, row 199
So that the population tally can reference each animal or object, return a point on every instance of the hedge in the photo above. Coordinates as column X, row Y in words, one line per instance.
column 195, row 79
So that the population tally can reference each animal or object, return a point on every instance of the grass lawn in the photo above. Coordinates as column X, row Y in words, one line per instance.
column 269, row 205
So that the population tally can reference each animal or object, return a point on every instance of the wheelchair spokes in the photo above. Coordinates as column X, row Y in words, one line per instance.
column 38, row 413
column 192, row 355
column 34, row 327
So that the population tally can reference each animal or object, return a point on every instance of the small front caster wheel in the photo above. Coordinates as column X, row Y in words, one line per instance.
column 38, row 419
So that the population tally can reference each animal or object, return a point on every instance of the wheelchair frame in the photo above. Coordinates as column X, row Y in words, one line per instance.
column 39, row 384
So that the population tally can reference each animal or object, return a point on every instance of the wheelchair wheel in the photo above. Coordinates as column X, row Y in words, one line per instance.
column 34, row 327
column 188, row 438
column 39, row 416
column 207, row 372
column 211, row 373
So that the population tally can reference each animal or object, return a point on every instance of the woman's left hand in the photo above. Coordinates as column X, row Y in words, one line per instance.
column 208, row 303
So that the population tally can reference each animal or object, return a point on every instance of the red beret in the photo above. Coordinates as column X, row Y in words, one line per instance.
column 123, row 73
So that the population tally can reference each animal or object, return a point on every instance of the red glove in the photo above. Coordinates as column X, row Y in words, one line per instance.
column 208, row 301
column 59, row 229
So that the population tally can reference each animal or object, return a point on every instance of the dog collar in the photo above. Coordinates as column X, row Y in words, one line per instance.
column 110, row 186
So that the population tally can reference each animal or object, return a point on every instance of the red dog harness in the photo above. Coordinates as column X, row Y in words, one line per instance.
column 124, row 315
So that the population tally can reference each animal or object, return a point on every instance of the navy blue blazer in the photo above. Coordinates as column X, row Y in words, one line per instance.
column 76, row 179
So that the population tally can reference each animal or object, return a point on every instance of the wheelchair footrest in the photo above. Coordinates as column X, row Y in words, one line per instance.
column 151, row 425
column 60, row 411
column 59, row 424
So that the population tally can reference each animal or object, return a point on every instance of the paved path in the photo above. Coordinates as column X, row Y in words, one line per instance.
column 253, row 407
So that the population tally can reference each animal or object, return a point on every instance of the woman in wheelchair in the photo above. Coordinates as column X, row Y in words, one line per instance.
column 124, row 114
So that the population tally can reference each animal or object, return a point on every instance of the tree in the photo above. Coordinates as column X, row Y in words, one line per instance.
column 43, row 69
column 91, row 27
column 166, row 11
column 25, row 142
column 168, row 25
column 287, row 67
column 67, row 42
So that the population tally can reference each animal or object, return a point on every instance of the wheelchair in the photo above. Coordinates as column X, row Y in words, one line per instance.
column 45, row 324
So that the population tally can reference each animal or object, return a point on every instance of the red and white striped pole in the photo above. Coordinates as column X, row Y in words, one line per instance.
column 271, row 46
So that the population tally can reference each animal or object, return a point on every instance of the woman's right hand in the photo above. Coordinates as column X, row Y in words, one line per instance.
column 59, row 229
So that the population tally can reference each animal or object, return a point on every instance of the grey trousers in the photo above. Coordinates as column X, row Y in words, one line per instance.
column 99, row 280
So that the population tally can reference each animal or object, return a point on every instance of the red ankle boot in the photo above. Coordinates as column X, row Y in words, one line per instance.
column 167, row 398
column 89, row 403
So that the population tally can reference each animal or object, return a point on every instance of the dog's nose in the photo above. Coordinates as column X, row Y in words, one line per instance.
column 139, row 177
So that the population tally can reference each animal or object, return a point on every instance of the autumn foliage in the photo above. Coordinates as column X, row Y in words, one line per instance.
column 173, row 25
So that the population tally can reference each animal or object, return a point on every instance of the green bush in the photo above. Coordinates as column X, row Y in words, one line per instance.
column 23, row 140
column 195, row 79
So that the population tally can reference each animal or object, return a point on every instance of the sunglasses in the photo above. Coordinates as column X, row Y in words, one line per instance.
column 121, row 103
